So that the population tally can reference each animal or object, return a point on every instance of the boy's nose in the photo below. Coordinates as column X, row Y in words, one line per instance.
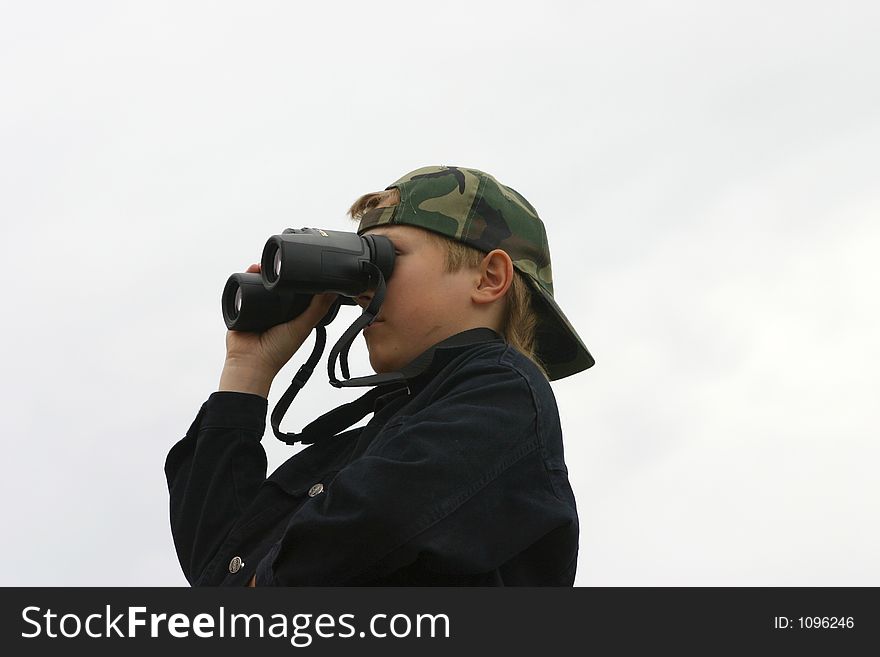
column 363, row 300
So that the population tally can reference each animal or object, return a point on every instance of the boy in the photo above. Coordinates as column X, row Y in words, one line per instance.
column 459, row 478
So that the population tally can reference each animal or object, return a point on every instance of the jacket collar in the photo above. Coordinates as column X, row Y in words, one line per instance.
column 393, row 386
column 424, row 367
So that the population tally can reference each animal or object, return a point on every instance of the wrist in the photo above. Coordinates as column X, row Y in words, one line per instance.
column 246, row 377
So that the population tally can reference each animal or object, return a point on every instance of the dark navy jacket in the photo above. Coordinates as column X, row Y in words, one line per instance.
column 461, row 482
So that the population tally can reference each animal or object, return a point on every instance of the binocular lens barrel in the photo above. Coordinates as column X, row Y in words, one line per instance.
column 249, row 306
column 312, row 261
column 298, row 264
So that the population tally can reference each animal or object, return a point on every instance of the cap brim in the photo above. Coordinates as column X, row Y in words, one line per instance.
column 558, row 346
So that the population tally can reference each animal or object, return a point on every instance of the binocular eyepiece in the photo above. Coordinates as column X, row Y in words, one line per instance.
column 296, row 265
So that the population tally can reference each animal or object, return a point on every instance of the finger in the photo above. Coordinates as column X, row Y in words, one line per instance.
column 318, row 307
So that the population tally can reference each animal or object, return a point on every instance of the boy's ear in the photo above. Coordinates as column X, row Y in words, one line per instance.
column 496, row 277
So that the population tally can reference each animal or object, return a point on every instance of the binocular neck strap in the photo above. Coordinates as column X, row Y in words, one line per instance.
column 342, row 346
column 392, row 385
column 342, row 417
column 302, row 376
column 353, row 411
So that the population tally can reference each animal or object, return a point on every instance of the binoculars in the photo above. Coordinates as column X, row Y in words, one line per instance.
column 296, row 265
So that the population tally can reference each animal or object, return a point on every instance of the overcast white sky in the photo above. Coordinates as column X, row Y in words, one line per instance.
column 707, row 171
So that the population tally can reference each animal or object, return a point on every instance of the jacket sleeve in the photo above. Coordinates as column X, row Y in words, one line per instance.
column 213, row 473
column 461, row 484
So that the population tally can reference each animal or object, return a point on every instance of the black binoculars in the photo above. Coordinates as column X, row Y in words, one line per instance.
column 296, row 265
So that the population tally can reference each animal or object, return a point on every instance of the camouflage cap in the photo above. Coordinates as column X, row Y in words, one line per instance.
column 473, row 207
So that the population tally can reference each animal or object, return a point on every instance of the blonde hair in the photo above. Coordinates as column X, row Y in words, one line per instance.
column 519, row 321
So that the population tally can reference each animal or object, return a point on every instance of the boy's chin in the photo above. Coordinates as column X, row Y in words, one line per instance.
column 382, row 364
column 380, row 367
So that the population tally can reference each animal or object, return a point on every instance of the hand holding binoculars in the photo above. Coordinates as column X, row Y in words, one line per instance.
column 296, row 265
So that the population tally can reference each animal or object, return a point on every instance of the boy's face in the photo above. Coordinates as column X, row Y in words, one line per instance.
column 424, row 303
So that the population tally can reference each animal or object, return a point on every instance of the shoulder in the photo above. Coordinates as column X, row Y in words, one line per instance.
column 499, row 379
column 501, row 362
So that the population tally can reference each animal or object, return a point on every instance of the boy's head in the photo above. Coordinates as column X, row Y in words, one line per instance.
column 471, row 252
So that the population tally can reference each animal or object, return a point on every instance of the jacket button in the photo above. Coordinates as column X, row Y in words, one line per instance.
column 235, row 565
column 317, row 489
